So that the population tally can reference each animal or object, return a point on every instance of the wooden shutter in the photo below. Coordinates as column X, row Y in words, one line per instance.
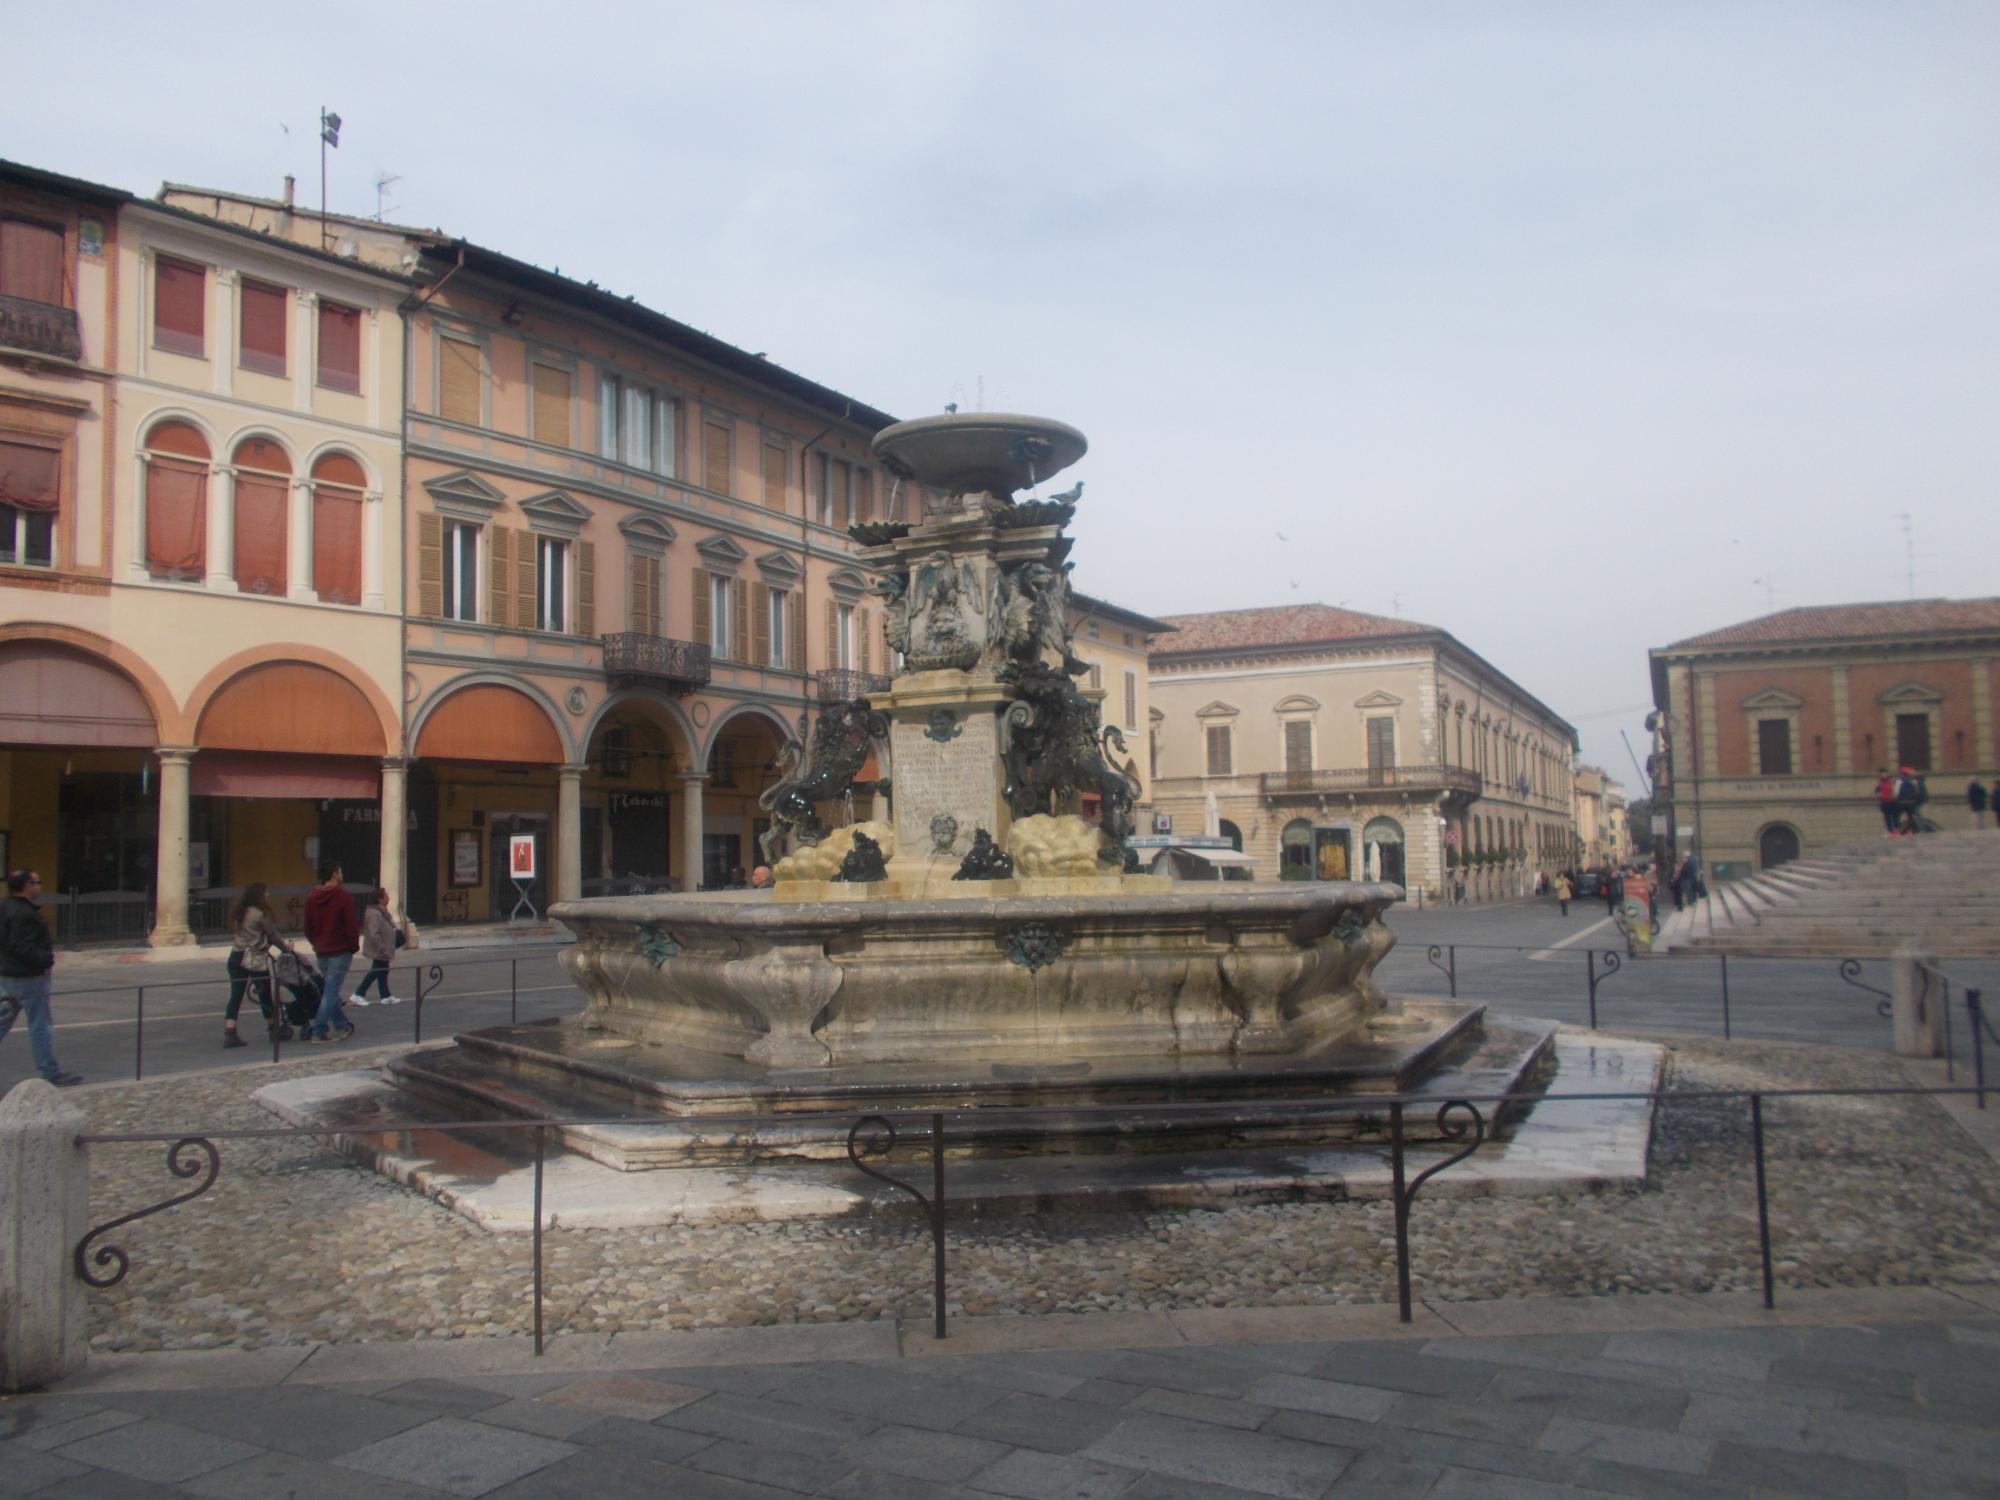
column 263, row 504
column 832, row 635
column 704, row 631
column 526, row 557
column 339, row 347
column 795, row 622
column 1218, row 751
column 861, row 627
column 715, row 457
column 739, row 645
column 263, row 333
column 645, row 594
column 176, row 518
column 31, row 262
column 500, row 575
column 1298, row 747
column 1096, row 677
column 1131, row 700
column 760, row 624
column 458, row 381
column 864, row 493
column 586, row 589
column 430, row 564
column 1381, row 744
column 552, row 406
column 777, row 469
column 180, row 290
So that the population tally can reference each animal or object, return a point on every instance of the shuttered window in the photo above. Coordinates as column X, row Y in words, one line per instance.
column 586, row 588
column 262, row 339
column 263, row 516
column 551, row 584
column 338, row 489
column 458, row 572
column 459, row 372
column 176, row 502
column 1774, row 747
column 1381, row 744
column 1131, row 700
column 1298, row 747
column 864, row 494
column 180, row 290
column 30, row 496
column 1218, row 750
column 552, row 393
column 643, row 572
column 716, row 458
column 500, row 574
column 777, row 470
column 339, row 347
column 31, row 262
column 761, row 634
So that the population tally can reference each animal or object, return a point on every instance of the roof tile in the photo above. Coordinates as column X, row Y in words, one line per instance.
column 1840, row 622
column 1284, row 625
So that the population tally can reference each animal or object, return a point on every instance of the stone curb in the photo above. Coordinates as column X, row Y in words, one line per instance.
column 326, row 1364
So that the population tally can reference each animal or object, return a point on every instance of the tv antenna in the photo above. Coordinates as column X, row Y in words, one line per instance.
column 383, row 182
column 1769, row 584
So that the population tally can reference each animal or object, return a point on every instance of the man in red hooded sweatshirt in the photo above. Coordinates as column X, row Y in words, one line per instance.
column 335, row 934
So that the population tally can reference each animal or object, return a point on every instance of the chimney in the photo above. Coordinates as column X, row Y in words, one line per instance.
column 289, row 185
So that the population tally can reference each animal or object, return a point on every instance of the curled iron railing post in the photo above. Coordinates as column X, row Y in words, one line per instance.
column 541, row 1148
column 1450, row 967
column 436, row 975
column 139, row 1036
column 183, row 1167
column 1453, row 1127
column 932, row 1206
column 1612, row 964
column 1725, row 995
column 1763, row 1201
column 1850, row 973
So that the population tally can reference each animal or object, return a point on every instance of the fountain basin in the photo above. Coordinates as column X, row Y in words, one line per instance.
column 972, row 452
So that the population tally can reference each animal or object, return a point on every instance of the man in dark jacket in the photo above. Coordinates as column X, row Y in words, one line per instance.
column 335, row 934
column 27, row 958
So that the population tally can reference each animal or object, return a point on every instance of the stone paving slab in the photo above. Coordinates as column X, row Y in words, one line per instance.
column 1679, row 1396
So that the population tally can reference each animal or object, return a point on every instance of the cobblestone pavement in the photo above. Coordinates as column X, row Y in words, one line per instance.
column 296, row 1245
column 1902, row 1404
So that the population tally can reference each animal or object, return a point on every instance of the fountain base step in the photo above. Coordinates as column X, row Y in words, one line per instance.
column 489, row 1177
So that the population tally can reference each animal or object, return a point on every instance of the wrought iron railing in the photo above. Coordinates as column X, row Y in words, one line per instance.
column 39, row 328
column 843, row 686
column 683, row 666
column 1369, row 779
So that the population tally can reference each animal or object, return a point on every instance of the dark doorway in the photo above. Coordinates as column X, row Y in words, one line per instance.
column 421, row 860
column 1777, row 845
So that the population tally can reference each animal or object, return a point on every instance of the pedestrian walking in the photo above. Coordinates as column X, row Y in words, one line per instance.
column 381, row 936
column 1910, row 795
column 252, row 937
column 1562, row 893
column 27, row 959
column 1683, row 883
column 1975, row 798
column 1613, row 889
column 335, row 936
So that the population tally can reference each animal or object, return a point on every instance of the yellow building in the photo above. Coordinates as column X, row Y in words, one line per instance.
column 201, row 656
column 1332, row 743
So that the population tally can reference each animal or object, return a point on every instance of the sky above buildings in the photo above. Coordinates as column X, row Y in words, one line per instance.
column 1572, row 329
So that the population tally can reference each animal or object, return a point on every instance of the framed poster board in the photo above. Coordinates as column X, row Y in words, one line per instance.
column 521, row 856
column 464, row 857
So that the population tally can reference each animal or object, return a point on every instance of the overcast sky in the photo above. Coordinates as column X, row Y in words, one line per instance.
column 1571, row 328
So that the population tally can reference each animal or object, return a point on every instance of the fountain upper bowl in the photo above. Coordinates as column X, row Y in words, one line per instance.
column 968, row 452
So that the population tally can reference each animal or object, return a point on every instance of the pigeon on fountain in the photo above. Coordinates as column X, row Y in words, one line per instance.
column 1070, row 496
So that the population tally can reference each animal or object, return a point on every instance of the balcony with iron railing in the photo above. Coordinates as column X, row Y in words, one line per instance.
column 635, row 660
column 844, row 686
column 41, row 328
column 1361, row 780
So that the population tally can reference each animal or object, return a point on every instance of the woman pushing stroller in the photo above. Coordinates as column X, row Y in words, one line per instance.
column 254, row 935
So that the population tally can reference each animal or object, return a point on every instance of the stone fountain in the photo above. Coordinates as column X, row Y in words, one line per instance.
column 986, row 945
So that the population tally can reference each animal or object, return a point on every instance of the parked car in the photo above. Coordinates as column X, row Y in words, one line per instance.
column 1589, row 883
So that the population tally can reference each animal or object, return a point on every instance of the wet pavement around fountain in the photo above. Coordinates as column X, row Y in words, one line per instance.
column 1843, row 1393
column 1771, row 999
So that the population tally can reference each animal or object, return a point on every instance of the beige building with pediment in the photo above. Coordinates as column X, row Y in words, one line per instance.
column 1334, row 743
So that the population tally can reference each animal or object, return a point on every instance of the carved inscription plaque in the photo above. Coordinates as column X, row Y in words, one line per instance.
column 959, row 777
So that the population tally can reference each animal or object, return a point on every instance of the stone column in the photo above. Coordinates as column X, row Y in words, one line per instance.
column 569, row 833
column 691, row 821
column 222, row 528
column 170, row 911
column 395, row 831
column 44, row 1211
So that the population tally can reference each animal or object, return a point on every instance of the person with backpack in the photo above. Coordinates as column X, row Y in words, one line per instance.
column 335, row 935
column 27, row 959
column 1885, row 798
column 1906, row 802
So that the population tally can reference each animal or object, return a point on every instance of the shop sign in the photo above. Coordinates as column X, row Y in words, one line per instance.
column 624, row 802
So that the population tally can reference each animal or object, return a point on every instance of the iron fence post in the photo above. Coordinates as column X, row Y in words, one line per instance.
column 1725, row 995
column 1590, row 974
column 513, row 991
column 541, row 1146
column 75, row 927
column 1402, row 1206
column 937, row 1222
column 417, row 1010
column 1976, row 1014
column 139, row 1037
column 1763, row 1201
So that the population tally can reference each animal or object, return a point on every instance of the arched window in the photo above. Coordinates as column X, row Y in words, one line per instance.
column 263, row 502
column 338, row 487
column 1295, row 851
column 1382, row 849
column 176, row 502
column 1231, row 832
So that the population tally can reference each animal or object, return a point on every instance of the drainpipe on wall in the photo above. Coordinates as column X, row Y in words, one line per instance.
column 805, row 545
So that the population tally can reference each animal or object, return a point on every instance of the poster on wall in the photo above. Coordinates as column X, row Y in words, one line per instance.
column 465, row 857
column 198, row 864
column 521, row 856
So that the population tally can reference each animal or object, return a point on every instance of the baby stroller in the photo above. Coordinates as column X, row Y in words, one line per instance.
column 301, row 983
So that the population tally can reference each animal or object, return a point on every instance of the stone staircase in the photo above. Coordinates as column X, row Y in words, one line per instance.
column 1941, row 890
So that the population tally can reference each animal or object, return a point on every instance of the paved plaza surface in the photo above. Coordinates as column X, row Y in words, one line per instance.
column 1836, row 1393
column 1523, row 957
